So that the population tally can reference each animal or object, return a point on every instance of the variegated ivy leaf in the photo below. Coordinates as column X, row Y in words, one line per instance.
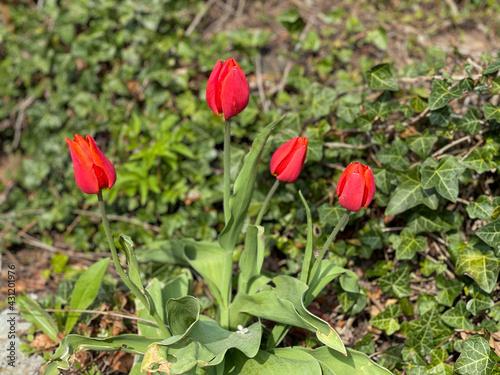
column 388, row 319
column 458, row 317
column 482, row 267
column 475, row 358
column 443, row 176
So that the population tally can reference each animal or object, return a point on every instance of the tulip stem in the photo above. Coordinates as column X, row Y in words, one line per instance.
column 263, row 209
column 133, row 288
column 227, row 170
column 326, row 246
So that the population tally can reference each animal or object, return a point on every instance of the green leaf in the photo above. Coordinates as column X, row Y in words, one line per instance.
column 331, row 214
column 475, row 358
column 407, row 245
column 450, row 289
column 443, row 177
column 63, row 358
column 380, row 77
column 490, row 234
column 410, row 193
column 481, row 209
column 148, row 329
column 383, row 179
column 85, row 291
column 394, row 156
column 39, row 317
column 388, row 319
column 427, row 332
column 397, row 281
column 422, row 144
column 437, row 366
column 243, row 189
column 479, row 160
column 482, row 268
column 318, row 101
column 252, row 257
column 425, row 220
column 441, row 95
column 492, row 68
column 353, row 363
column 284, row 303
column 182, row 314
column 458, row 317
column 469, row 123
column 491, row 112
column 132, row 271
column 480, row 301
column 349, row 107
column 308, row 260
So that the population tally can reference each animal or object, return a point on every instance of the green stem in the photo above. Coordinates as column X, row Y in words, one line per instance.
column 227, row 289
column 327, row 244
column 263, row 209
column 114, row 254
column 227, row 170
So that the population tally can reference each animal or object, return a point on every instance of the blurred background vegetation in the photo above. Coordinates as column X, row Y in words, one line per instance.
column 133, row 75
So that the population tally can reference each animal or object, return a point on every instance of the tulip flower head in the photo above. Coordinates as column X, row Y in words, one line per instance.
column 227, row 89
column 356, row 187
column 288, row 159
column 93, row 170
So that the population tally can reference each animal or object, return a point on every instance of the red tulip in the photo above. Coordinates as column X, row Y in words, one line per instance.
column 227, row 89
column 288, row 159
column 93, row 170
column 356, row 187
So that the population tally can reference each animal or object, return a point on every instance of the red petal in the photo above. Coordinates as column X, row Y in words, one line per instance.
column 350, row 169
column 353, row 192
column 83, row 166
column 235, row 93
column 293, row 166
column 369, row 187
column 280, row 154
column 224, row 71
column 100, row 160
column 211, row 93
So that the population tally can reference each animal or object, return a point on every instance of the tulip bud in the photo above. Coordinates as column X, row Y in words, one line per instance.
column 356, row 187
column 93, row 170
column 288, row 159
column 227, row 89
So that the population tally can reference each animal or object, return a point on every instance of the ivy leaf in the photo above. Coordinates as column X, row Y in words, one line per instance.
column 480, row 301
column 444, row 177
column 427, row 267
column 438, row 365
column 424, row 220
column 394, row 156
column 458, row 317
column 383, row 179
column 422, row 144
column 469, row 123
column 410, row 193
column 330, row 214
column 440, row 95
column 482, row 268
column 380, row 77
column 450, row 289
column 349, row 107
column 492, row 68
column 490, row 234
column 408, row 244
column 491, row 112
column 397, row 281
column 479, row 160
column 388, row 319
column 475, row 358
column 318, row 100
column 480, row 209
column 427, row 332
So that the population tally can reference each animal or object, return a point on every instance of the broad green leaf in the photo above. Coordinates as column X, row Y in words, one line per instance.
column 480, row 209
column 424, row 220
column 63, row 358
column 330, row 214
column 252, row 257
column 179, row 286
column 441, row 95
column 407, row 245
column 205, row 344
column 482, row 268
column 394, row 156
column 39, row 317
column 383, row 179
column 151, row 329
column 380, row 77
column 449, row 290
column 469, row 123
column 426, row 302
column 85, row 291
column 443, row 177
column 427, row 332
column 437, row 366
column 490, row 234
column 388, row 319
column 243, row 189
column 491, row 112
column 422, row 144
column 133, row 267
column 284, row 303
column 410, row 193
column 479, row 160
column 397, row 281
column 492, row 68
column 475, row 358
column 182, row 313
column 480, row 301
column 458, row 317
column 353, row 363
column 277, row 362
